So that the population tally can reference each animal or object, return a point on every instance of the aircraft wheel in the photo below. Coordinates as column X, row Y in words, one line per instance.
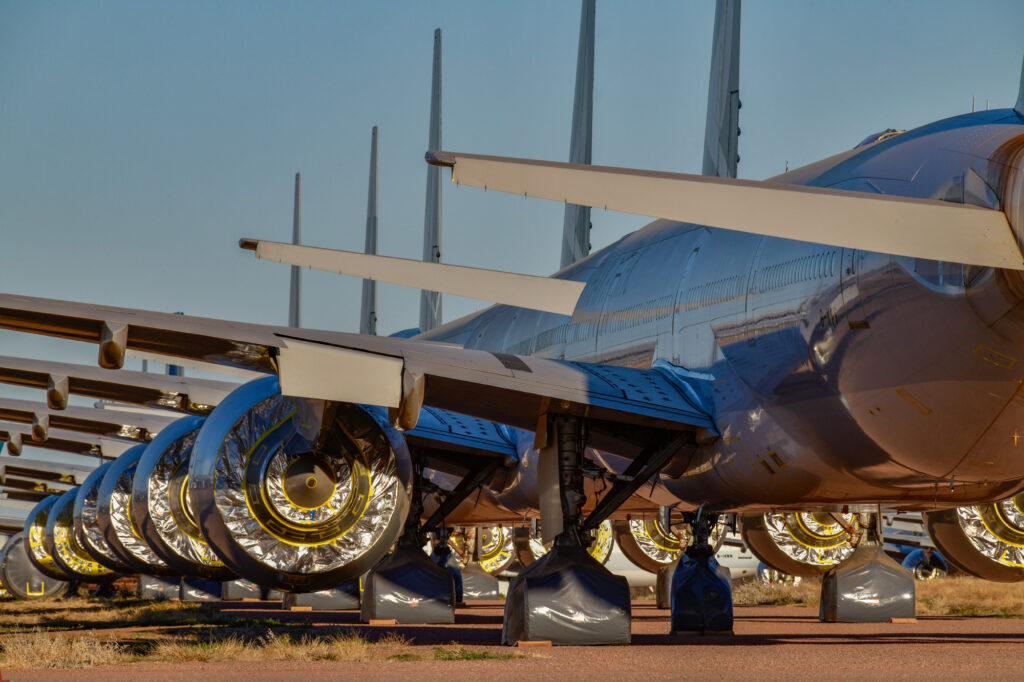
column 113, row 516
column 986, row 540
column 798, row 544
column 162, row 508
column 298, row 494
column 35, row 547
column 64, row 547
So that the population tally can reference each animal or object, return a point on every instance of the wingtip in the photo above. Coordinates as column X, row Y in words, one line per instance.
column 247, row 244
column 439, row 158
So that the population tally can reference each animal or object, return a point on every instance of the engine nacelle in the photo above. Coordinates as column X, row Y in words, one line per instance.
column 799, row 544
column 162, row 508
column 298, row 494
column 986, row 540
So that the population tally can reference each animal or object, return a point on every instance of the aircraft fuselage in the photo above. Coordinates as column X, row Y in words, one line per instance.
column 840, row 376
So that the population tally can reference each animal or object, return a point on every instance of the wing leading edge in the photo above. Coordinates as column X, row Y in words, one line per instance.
column 401, row 374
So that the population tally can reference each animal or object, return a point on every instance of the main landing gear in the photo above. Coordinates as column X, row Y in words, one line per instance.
column 566, row 596
column 868, row 586
column 701, row 588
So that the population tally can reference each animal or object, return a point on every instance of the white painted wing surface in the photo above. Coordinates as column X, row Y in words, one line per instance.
column 921, row 228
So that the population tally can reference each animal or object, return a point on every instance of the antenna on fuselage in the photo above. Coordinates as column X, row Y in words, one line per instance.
column 293, row 299
column 721, row 132
column 368, row 311
column 430, row 301
column 576, row 226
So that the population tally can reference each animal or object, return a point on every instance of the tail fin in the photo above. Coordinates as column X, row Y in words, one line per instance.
column 368, row 313
column 294, row 294
column 430, row 301
column 576, row 227
column 722, row 126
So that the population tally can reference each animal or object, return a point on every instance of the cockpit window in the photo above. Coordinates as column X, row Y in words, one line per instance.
column 878, row 137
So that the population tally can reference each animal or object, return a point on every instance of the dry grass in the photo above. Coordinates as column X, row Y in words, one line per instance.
column 757, row 593
column 959, row 596
column 44, row 649
column 274, row 647
column 970, row 597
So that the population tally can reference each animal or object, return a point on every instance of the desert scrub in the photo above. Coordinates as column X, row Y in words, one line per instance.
column 46, row 649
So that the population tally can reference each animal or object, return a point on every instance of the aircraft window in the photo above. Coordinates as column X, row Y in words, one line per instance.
column 878, row 137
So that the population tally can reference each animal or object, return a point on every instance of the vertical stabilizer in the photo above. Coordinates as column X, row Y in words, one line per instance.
column 293, row 299
column 430, row 301
column 722, row 126
column 576, row 227
column 368, row 312
column 1020, row 93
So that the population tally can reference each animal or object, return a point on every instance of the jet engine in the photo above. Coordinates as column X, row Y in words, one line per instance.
column 651, row 546
column 65, row 549
column 20, row 576
column 801, row 544
column 114, row 519
column 86, row 522
column 161, row 506
column 296, row 494
column 986, row 540
column 35, row 544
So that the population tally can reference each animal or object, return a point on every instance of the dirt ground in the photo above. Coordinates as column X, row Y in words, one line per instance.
column 770, row 642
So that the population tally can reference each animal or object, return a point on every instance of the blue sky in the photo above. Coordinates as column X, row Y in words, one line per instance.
column 139, row 140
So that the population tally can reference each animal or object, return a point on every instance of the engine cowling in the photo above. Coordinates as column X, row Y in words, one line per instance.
column 65, row 548
column 986, row 540
column 298, row 494
column 162, row 508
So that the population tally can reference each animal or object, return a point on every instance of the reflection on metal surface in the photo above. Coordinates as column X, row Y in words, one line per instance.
column 66, row 546
column 496, row 548
column 37, row 537
column 816, row 539
column 996, row 530
column 169, row 506
column 121, row 521
column 600, row 547
column 91, row 536
column 250, row 495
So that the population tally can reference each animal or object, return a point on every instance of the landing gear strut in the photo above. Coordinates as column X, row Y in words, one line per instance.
column 566, row 596
column 701, row 589
column 868, row 587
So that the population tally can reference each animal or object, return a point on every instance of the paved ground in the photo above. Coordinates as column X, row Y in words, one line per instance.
column 769, row 643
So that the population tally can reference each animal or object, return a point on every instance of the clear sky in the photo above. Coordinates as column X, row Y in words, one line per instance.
column 139, row 140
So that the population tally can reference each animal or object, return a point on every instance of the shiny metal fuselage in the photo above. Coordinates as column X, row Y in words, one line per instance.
column 841, row 377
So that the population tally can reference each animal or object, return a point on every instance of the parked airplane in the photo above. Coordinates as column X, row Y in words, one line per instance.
column 748, row 371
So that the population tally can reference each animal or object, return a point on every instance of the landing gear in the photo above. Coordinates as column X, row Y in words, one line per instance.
column 406, row 585
column 566, row 596
column 701, row 589
column 869, row 586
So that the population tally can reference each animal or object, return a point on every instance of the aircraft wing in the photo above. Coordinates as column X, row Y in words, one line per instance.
column 922, row 228
column 58, row 379
column 135, row 426
column 402, row 374
column 72, row 442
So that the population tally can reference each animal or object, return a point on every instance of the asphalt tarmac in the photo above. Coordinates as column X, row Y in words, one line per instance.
column 769, row 643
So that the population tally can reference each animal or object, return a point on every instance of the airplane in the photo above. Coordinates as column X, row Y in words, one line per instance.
column 754, row 373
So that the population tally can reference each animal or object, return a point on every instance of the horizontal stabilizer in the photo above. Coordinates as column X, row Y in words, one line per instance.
column 524, row 291
column 922, row 228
